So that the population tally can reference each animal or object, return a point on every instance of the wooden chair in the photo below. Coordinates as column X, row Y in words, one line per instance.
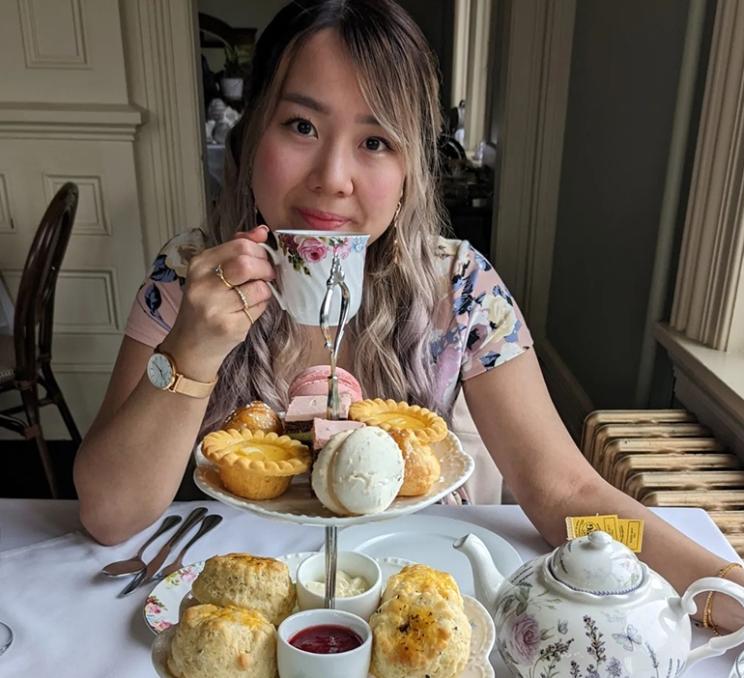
column 25, row 357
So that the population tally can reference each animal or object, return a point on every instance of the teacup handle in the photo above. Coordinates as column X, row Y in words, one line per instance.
column 719, row 644
column 274, row 256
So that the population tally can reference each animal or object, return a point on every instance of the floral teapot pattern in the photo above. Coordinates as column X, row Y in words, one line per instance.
column 591, row 609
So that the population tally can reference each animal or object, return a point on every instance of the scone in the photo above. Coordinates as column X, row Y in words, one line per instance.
column 389, row 415
column 223, row 641
column 417, row 578
column 254, row 464
column 247, row 581
column 257, row 416
column 419, row 636
column 422, row 468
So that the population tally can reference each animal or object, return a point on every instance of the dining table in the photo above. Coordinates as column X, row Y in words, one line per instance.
column 68, row 620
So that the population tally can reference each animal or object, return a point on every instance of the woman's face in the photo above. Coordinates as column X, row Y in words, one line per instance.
column 324, row 163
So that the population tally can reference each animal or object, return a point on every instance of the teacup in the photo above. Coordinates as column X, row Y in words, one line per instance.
column 303, row 264
column 296, row 663
column 312, row 569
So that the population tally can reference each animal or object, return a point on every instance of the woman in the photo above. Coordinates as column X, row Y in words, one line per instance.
column 340, row 133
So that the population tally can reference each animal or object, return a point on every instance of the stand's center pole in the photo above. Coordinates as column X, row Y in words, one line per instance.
column 331, row 556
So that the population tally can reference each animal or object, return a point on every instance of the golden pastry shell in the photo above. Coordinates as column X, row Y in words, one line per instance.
column 224, row 449
column 256, row 416
column 429, row 428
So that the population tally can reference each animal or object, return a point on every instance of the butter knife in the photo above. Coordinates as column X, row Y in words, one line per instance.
column 154, row 565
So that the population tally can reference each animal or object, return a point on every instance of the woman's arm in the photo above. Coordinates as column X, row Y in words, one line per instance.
column 132, row 459
column 130, row 464
column 551, row 479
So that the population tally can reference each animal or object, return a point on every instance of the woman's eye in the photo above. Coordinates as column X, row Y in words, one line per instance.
column 303, row 127
column 376, row 144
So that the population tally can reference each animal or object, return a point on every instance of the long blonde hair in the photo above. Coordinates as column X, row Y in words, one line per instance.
column 392, row 331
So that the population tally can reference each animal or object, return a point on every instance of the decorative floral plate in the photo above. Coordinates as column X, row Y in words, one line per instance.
column 298, row 505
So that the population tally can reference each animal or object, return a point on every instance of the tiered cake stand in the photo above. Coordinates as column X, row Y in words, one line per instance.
column 298, row 504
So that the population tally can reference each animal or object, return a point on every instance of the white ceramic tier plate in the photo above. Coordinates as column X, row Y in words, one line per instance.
column 297, row 504
column 428, row 539
column 478, row 666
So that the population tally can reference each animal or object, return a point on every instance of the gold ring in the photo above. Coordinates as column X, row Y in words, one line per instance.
column 244, row 301
column 221, row 275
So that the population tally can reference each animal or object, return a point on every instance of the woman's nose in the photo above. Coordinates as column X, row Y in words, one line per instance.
column 332, row 172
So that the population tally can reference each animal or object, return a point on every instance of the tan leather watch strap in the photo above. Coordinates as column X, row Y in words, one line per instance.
column 185, row 386
column 189, row 387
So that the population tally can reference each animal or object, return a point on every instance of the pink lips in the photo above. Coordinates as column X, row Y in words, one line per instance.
column 323, row 221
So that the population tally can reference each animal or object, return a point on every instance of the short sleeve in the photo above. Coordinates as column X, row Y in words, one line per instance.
column 159, row 297
column 492, row 326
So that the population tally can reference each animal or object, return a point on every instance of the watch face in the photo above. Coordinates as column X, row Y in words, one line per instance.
column 159, row 371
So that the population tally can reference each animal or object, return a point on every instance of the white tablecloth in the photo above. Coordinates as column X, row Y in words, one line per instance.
column 68, row 621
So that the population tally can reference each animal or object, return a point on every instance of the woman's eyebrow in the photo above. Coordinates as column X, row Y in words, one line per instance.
column 315, row 105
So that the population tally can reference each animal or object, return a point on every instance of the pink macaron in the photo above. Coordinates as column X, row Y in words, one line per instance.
column 314, row 381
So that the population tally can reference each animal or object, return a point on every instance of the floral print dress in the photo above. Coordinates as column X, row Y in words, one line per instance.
column 478, row 325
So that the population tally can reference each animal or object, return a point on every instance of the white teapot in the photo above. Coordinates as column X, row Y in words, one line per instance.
column 591, row 609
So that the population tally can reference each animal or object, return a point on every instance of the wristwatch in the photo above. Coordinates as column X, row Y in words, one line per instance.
column 164, row 375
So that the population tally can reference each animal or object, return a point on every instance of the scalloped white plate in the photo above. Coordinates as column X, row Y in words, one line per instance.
column 481, row 642
column 297, row 504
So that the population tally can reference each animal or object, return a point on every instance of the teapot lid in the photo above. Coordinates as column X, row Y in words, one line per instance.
column 597, row 564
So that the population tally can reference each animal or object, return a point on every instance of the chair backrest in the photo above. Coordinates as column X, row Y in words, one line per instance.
column 34, row 311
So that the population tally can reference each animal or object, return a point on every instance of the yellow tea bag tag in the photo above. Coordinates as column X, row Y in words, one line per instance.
column 580, row 526
column 631, row 534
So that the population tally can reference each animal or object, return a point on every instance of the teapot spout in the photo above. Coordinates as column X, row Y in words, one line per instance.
column 486, row 575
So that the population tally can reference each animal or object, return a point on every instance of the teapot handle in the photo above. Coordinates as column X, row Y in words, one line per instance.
column 719, row 644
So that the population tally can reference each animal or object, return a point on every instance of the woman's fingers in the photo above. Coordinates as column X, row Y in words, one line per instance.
column 245, row 268
column 256, row 294
column 242, row 260
column 258, row 234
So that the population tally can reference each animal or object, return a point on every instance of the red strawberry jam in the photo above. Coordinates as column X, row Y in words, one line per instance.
column 326, row 639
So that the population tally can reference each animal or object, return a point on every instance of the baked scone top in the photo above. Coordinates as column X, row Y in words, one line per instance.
column 247, row 581
column 418, row 578
column 199, row 614
column 420, row 635
column 223, row 641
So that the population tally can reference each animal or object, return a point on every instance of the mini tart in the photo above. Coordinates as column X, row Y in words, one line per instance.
column 254, row 464
column 389, row 415
column 257, row 416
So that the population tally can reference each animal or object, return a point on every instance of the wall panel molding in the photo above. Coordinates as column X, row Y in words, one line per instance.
column 535, row 100
column 6, row 219
column 709, row 289
column 40, row 51
column 97, row 122
column 160, row 43
column 90, row 218
column 85, row 300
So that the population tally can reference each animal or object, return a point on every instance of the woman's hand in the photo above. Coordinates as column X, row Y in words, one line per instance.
column 211, row 320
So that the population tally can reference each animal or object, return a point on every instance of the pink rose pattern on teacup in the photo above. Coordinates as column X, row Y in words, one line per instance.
column 303, row 251
column 312, row 249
